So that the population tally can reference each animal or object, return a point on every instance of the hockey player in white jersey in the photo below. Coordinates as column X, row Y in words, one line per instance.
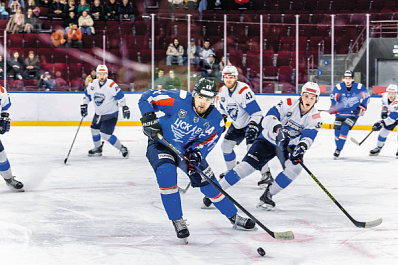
column 389, row 118
column 238, row 102
column 5, row 168
column 107, row 97
column 293, row 123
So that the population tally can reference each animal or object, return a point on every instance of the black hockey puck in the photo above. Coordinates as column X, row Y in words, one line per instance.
column 261, row 251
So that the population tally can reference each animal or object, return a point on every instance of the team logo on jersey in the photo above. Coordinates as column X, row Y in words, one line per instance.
column 182, row 113
column 195, row 119
column 181, row 129
column 233, row 111
column 99, row 98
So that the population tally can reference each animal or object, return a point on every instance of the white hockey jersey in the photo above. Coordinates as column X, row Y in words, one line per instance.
column 392, row 109
column 302, row 128
column 385, row 103
column 4, row 100
column 106, row 98
column 240, row 105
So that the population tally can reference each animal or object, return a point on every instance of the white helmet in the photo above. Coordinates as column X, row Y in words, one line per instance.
column 230, row 70
column 102, row 68
column 392, row 88
column 312, row 88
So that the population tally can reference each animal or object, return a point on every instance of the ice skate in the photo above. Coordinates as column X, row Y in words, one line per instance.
column 336, row 154
column 266, row 201
column 240, row 222
column 125, row 152
column 266, row 179
column 207, row 203
column 181, row 229
column 96, row 151
column 14, row 184
column 375, row 151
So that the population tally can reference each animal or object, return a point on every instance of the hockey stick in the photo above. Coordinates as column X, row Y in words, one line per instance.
column 277, row 235
column 355, row 222
column 359, row 143
column 70, row 149
column 182, row 190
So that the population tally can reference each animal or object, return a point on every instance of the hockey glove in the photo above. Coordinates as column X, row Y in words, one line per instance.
column 126, row 112
column 378, row 125
column 225, row 122
column 194, row 158
column 252, row 132
column 298, row 153
column 332, row 110
column 384, row 113
column 282, row 139
column 84, row 110
column 360, row 111
column 4, row 123
column 150, row 125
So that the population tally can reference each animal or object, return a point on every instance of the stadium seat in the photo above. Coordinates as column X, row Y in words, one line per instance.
column 30, row 40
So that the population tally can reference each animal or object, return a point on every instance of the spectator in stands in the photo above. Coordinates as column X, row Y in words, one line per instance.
column 32, row 66
column 194, row 53
column 112, row 10
column 70, row 7
column 86, row 23
column 190, row 4
column 60, row 83
column 56, row 9
column 83, row 6
column 2, row 67
column 174, row 53
column 30, row 21
column 91, row 76
column 70, row 20
column 45, row 3
column 211, row 69
column 3, row 12
column 34, row 6
column 97, row 11
column 160, row 80
column 17, row 66
column 222, row 63
column 127, row 11
column 75, row 37
column 46, row 83
column 57, row 37
column 16, row 22
column 205, row 52
column 176, row 4
column 14, row 5
column 172, row 81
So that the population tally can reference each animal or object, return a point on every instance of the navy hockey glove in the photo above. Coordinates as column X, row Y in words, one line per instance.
column 384, row 113
column 194, row 158
column 298, row 153
column 360, row 111
column 252, row 132
column 150, row 125
column 84, row 110
column 378, row 125
column 4, row 123
column 126, row 112
column 282, row 139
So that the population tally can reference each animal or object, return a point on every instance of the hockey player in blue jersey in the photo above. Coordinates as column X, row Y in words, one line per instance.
column 293, row 123
column 193, row 125
column 389, row 118
column 349, row 101
column 5, row 168
column 107, row 97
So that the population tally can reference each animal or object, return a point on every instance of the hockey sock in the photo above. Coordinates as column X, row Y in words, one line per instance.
column 382, row 137
column 112, row 139
column 342, row 137
column 230, row 160
column 96, row 137
column 225, row 206
column 336, row 137
column 166, row 176
column 229, row 179
column 5, row 169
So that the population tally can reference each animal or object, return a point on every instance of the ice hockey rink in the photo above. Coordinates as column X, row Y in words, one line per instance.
column 107, row 210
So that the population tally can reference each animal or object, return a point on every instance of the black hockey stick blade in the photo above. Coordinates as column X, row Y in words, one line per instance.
column 277, row 235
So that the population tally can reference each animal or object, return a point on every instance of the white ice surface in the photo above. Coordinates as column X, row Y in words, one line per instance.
column 107, row 210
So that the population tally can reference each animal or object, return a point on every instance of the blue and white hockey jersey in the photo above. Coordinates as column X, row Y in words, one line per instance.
column 392, row 109
column 4, row 100
column 346, row 102
column 240, row 105
column 180, row 124
column 302, row 128
column 106, row 98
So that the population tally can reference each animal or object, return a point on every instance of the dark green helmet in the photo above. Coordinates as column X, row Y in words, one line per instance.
column 206, row 88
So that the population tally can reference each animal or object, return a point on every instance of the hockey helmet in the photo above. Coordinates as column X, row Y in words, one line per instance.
column 102, row 68
column 348, row 73
column 230, row 70
column 312, row 88
column 392, row 88
column 206, row 88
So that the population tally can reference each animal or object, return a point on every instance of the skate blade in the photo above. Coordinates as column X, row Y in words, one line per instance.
column 127, row 156
column 207, row 207
column 336, row 158
column 264, row 206
column 16, row 190
column 184, row 240
column 91, row 155
column 374, row 154
column 244, row 229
